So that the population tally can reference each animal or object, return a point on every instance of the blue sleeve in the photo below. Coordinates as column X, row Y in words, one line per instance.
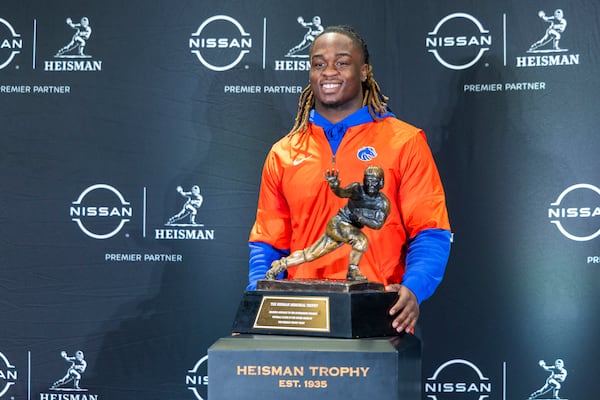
column 261, row 257
column 426, row 260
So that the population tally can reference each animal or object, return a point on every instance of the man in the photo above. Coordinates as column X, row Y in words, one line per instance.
column 343, row 123
column 366, row 207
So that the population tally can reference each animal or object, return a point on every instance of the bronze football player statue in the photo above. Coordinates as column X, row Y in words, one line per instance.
column 366, row 206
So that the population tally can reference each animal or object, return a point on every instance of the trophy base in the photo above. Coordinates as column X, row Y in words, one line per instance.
column 340, row 309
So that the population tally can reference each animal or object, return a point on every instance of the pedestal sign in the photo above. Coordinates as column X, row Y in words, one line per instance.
column 273, row 367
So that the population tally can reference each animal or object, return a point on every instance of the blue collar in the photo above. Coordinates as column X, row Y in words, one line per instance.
column 335, row 132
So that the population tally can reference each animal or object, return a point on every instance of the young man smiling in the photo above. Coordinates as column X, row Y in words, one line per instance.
column 343, row 123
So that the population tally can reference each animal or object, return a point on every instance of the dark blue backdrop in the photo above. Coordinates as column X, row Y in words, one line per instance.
column 167, row 94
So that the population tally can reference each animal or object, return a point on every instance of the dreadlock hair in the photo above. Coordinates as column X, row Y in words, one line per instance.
column 373, row 98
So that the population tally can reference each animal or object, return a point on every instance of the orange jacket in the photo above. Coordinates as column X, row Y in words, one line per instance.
column 295, row 201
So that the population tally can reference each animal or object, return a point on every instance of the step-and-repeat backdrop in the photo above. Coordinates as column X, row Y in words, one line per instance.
column 132, row 136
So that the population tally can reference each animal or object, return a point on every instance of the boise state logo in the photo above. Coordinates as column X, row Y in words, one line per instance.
column 366, row 153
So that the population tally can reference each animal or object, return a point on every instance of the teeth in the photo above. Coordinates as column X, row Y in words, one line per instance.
column 330, row 85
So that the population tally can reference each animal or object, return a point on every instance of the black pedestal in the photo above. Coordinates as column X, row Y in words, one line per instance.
column 316, row 308
column 273, row 367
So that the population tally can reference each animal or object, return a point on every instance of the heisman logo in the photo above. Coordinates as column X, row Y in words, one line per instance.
column 68, row 387
column 297, row 56
column 82, row 34
column 72, row 57
column 558, row 24
column 183, row 224
column 313, row 28
column 546, row 52
column 558, row 374
column 73, row 374
column 189, row 209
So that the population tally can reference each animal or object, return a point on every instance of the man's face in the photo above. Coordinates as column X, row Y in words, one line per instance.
column 336, row 73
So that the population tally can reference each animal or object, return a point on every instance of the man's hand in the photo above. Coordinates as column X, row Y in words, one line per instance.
column 405, row 311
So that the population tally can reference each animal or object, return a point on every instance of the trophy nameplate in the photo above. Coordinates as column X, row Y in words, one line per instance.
column 293, row 313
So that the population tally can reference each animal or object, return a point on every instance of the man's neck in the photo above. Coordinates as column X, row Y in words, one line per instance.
column 335, row 113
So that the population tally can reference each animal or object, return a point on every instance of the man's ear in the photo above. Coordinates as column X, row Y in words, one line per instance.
column 364, row 72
